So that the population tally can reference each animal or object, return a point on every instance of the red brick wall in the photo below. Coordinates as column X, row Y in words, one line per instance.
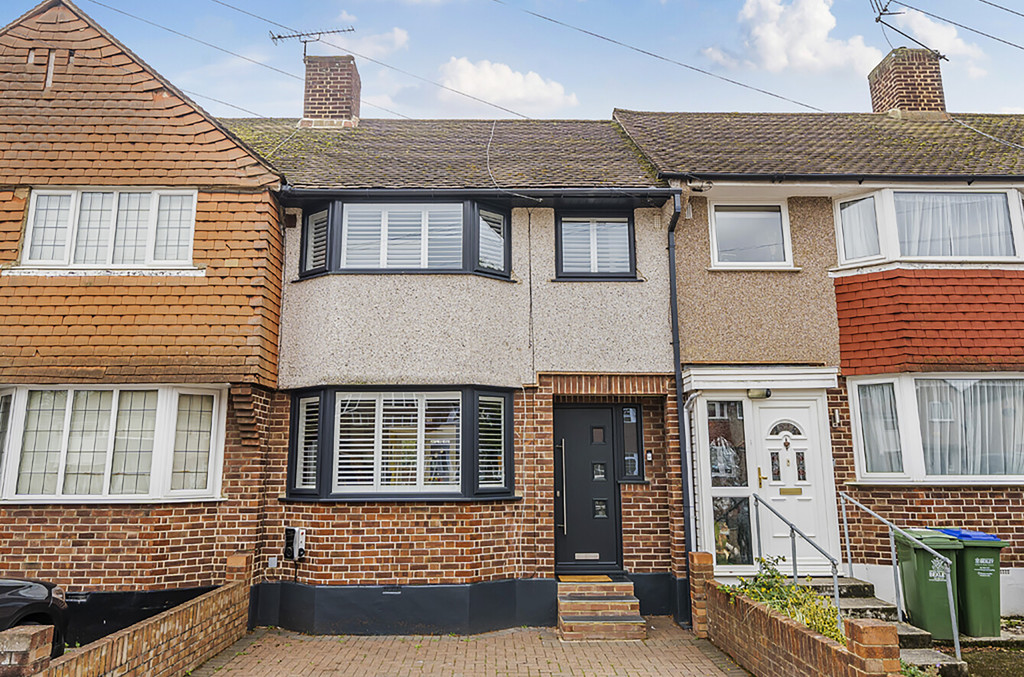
column 332, row 88
column 147, row 547
column 390, row 542
column 907, row 79
column 930, row 320
column 993, row 509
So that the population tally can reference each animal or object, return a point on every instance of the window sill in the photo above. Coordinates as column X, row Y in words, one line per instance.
column 400, row 498
column 981, row 481
column 918, row 264
column 754, row 269
column 635, row 481
column 414, row 271
column 44, row 271
column 106, row 500
column 597, row 278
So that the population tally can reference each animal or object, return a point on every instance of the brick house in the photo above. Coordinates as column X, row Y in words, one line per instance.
column 866, row 269
column 140, row 282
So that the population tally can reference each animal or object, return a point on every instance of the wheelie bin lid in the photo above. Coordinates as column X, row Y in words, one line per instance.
column 973, row 538
column 932, row 538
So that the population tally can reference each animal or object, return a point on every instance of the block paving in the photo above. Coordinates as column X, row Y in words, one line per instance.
column 536, row 652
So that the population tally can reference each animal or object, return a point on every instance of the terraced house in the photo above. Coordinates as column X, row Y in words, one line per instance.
column 424, row 368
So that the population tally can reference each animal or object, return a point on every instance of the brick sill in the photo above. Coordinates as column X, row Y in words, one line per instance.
column 105, row 500
column 399, row 498
column 928, row 482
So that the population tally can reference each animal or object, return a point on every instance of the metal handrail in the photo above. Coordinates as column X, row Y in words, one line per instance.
column 945, row 564
column 793, row 532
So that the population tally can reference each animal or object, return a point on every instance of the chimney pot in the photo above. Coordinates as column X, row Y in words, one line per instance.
column 908, row 80
column 332, row 92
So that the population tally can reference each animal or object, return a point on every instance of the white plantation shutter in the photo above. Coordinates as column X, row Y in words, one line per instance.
column 316, row 241
column 361, row 236
column 591, row 246
column 491, row 441
column 444, row 236
column 405, row 238
column 492, row 241
column 611, row 246
column 308, row 439
column 356, row 441
column 402, row 236
column 576, row 247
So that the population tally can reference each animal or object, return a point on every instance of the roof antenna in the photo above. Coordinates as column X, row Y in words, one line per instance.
column 882, row 10
column 306, row 38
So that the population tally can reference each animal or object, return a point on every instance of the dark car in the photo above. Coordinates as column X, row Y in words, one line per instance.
column 34, row 603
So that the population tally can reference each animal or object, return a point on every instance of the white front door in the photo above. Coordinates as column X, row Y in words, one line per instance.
column 776, row 448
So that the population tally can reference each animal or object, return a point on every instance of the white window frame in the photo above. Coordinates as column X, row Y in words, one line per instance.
column 386, row 208
column 377, row 488
column 787, row 243
column 909, row 429
column 163, row 447
column 67, row 262
column 888, row 232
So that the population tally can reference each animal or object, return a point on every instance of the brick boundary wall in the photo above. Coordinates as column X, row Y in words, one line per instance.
column 767, row 643
column 170, row 643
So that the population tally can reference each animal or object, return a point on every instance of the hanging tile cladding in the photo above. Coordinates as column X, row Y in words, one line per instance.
column 992, row 509
column 910, row 320
column 389, row 543
column 221, row 327
column 106, row 118
column 151, row 547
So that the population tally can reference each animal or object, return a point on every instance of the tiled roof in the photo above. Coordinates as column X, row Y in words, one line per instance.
column 827, row 143
column 449, row 153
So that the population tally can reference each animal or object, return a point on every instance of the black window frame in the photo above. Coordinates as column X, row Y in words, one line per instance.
column 561, row 275
column 468, row 463
column 620, row 461
column 470, row 239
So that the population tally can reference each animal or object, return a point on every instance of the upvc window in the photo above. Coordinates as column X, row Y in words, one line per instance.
column 750, row 236
column 126, row 443
column 595, row 247
column 104, row 228
column 365, row 237
column 930, row 225
column 394, row 443
column 940, row 428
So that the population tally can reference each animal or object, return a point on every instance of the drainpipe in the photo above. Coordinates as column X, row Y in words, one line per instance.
column 684, row 442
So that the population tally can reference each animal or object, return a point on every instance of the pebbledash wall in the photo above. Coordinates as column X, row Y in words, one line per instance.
column 932, row 320
column 408, row 566
column 214, row 325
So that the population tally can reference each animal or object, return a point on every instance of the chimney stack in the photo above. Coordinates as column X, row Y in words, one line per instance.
column 332, row 92
column 908, row 80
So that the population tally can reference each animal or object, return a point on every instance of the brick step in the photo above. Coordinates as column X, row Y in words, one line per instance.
column 848, row 587
column 611, row 589
column 868, row 607
column 912, row 637
column 947, row 665
column 575, row 628
column 598, row 605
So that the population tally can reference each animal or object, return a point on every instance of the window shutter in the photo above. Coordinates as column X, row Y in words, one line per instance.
column 307, row 443
column 362, row 236
column 444, row 235
column 316, row 241
column 576, row 247
column 611, row 246
column 491, row 442
column 356, row 426
column 492, row 241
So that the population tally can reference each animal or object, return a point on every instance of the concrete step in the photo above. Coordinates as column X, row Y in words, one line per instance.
column 848, row 587
column 598, row 605
column 947, row 665
column 577, row 628
column 912, row 637
column 610, row 589
column 868, row 607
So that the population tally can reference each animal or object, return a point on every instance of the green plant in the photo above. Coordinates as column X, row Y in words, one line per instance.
column 802, row 604
column 908, row 670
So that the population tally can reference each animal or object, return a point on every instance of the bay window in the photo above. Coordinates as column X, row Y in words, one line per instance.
column 930, row 225
column 106, row 228
column 401, row 442
column 110, row 444
column 366, row 237
column 940, row 428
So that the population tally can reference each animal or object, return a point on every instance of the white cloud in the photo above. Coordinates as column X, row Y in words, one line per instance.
column 796, row 36
column 345, row 17
column 944, row 38
column 376, row 46
column 498, row 83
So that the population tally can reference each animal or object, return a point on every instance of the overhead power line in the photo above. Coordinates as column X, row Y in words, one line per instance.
column 959, row 25
column 1005, row 9
column 657, row 56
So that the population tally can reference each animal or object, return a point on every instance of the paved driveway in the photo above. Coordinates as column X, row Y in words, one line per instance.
column 537, row 652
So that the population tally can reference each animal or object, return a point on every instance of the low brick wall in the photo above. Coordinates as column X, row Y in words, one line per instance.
column 769, row 644
column 170, row 643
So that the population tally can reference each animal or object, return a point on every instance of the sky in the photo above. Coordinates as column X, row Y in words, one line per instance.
column 814, row 53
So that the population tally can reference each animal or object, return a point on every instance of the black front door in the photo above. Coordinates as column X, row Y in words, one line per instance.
column 587, row 530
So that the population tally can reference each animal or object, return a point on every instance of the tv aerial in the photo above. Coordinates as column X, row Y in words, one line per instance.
column 306, row 38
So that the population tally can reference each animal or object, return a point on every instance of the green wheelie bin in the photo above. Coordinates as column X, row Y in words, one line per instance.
column 923, row 582
column 977, row 578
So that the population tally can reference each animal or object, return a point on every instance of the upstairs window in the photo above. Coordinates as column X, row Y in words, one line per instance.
column 110, row 228
column 592, row 247
column 358, row 237
column 750, row 236
column 942, row 226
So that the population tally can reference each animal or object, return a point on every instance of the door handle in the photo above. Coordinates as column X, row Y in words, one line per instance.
column 760, row 478
column 565, row 515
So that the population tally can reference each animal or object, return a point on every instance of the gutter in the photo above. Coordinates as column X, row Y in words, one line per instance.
column 288, row 191
column 859, row 178
column 685, row 453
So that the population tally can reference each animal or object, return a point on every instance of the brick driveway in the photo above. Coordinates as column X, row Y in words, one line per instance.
column 521, row 651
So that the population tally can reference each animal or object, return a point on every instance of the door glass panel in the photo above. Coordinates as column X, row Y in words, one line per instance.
column 631, row 442
column 801, row 467
column 727, row 443
column 732, row 530
column 597, row 435
column 600, row 472
column 776, row 468
column 600, row 509
column 785, row 427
